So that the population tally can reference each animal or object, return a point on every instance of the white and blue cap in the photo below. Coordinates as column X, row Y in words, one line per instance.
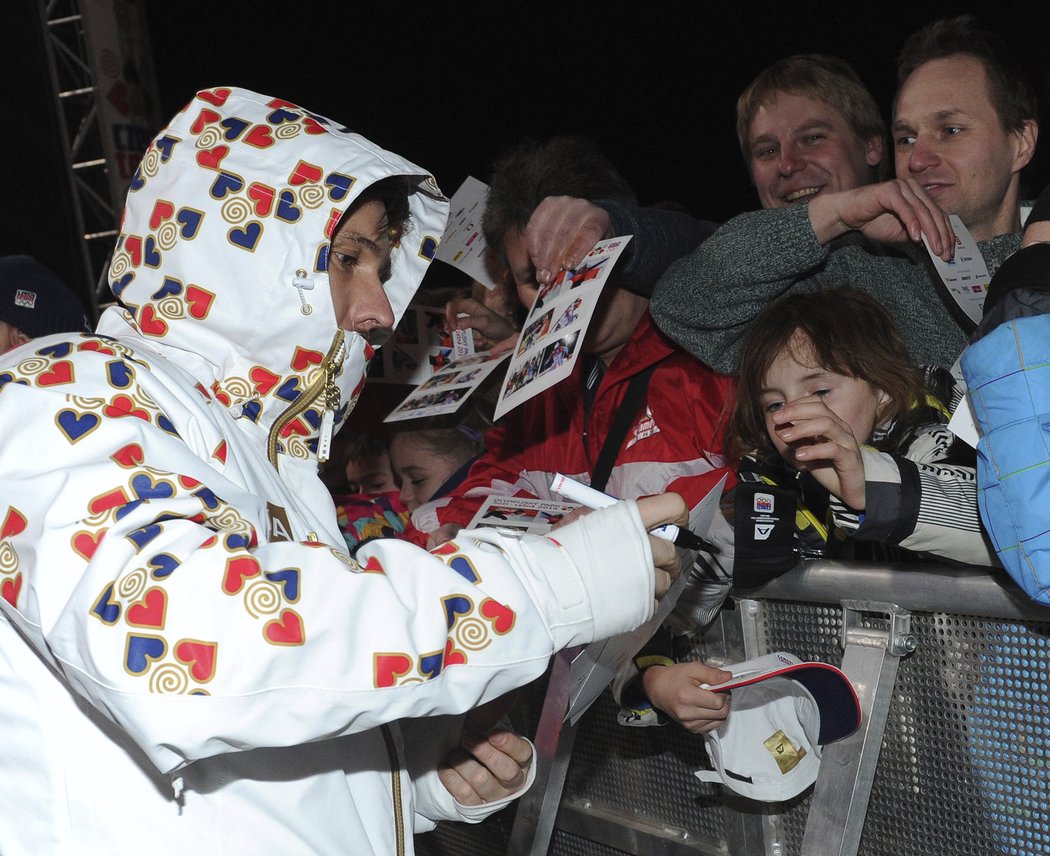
column 784, row 710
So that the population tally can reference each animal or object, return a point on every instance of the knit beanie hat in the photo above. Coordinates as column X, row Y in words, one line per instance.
column 36, row 301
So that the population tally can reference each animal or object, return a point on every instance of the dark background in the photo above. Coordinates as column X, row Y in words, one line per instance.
column 654, row 85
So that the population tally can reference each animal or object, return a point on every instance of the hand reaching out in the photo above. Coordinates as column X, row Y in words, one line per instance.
column 677, row 692
column 897, row 210
column 560, row 233
column 463, row 313
column 490, row 763
column 821, row 443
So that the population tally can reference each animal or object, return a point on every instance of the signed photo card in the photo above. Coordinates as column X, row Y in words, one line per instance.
column 556, row 325
column 525, row 514
column 421, row 345
column 446, row 390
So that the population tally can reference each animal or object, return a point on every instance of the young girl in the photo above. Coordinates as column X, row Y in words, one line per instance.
column 830, row 401
column 429, row 462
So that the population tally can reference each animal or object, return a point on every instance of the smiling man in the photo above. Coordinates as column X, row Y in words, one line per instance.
column 964, row 128
column 964, row 125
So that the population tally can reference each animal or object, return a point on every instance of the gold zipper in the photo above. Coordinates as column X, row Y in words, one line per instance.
column 324, row 384
column 395, row 785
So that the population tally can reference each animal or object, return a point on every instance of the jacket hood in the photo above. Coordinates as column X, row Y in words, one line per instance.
column 221, row 261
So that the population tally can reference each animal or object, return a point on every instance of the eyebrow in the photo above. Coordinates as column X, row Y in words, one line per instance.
column 809, row 125
column 367, row 243
column 939, row 116
column 767, row 390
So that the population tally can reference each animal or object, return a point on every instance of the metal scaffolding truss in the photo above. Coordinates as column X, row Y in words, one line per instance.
column 76, row 108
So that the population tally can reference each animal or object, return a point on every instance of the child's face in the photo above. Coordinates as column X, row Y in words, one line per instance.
column 372, row 475
column 793, row 376
column 419, row 471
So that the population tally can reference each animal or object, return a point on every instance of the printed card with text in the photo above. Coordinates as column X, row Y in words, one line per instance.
column 526, row 514
column 966, row 275
column 421, row 345
column 446, row 390
column 462, row 245
column 556, row 325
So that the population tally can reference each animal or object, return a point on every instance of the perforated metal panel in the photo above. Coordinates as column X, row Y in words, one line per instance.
column 646, row 772
column 964, row 768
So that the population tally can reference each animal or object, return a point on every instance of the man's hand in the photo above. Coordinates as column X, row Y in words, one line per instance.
column 443, row 533
column 677, row 692
column 823, row 445
column 655, row 510
column 490, row 763
column 561, row 231
column 463, row 313
column 897, row 210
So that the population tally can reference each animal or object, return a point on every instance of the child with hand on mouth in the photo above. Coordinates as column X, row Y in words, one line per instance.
column 830, row 401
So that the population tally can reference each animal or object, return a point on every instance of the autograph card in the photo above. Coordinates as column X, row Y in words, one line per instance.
column 966, row 275
column 550, row 337
column 420, row 346
column 446, row 390
column 462, row 245
column 526, row 514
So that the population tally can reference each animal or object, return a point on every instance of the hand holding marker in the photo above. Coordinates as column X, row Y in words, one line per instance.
column 588, row 497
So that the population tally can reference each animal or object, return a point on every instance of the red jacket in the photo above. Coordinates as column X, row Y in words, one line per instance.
column 673, row 444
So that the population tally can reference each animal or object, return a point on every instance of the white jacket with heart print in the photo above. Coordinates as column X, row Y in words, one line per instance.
column 189, row 660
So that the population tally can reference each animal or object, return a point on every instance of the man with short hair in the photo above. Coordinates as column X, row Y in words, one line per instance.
column 813, row 235
column 964, row 124
column 34, row 302
column 671, row 438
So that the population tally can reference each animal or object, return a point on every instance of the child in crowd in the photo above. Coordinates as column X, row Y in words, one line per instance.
column 432, row 456
column 430, row 459
column 831, row 404
column 367, row 464
column 368, row 506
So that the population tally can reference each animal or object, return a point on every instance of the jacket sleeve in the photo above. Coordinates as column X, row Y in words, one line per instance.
column 1008, row 375
column 707, row 300
column 920, row 501
column 427, row 744
column 660, row 237
column 148, row 580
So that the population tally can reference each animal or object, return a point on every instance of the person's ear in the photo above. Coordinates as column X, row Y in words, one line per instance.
column 874, row 150
column 1025, row 138
column 884, row 403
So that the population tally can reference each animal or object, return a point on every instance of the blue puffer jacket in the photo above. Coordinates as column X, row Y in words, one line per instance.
column 1008, row 375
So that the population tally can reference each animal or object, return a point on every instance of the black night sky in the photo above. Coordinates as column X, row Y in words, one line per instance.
column 450, row 87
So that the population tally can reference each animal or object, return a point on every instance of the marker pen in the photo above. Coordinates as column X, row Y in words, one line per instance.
column 587, row 496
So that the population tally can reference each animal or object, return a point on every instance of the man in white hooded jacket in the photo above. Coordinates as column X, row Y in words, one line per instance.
column 189, row 660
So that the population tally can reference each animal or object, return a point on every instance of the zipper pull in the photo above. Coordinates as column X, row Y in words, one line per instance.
column 324, row 442
column 331, row 405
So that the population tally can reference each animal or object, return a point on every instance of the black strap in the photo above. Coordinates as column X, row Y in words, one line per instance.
column 625, row 414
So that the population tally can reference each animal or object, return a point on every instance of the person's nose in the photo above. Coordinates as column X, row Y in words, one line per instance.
column 368, row 308
column 790, row 161
column 922, row 156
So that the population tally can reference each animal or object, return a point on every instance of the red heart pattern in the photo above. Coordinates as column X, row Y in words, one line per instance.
column 387, row 668
column 199, row 656
column 128, row 456
column 14, row 523
column 149, row 612
column 502, row 617
column 286, row 630
column 237, row 570
column 86, row 543
column 11, row 588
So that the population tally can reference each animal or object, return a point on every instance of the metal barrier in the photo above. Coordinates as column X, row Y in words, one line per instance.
column 953, row 670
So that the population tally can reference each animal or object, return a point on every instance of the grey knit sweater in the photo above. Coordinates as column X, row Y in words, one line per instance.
column 707, row 300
